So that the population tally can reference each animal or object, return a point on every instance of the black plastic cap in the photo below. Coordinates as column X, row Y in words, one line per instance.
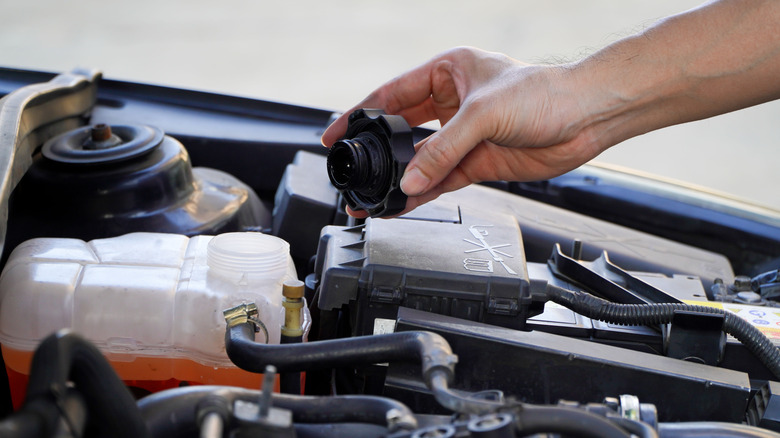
column 367, row 164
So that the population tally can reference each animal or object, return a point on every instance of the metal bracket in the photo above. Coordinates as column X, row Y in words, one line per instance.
column 33, row 114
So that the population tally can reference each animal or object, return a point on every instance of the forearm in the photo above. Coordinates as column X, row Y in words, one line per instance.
column 711, row 60
column 505, row 120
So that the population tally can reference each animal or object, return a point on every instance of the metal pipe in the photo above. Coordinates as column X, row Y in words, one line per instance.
column 211, row 426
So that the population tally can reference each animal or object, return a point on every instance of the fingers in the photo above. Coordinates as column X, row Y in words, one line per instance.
column 335, row 131
column 440, row 153
column 407, row 95
column 431, row 91
column 360, row 214
column 454, row 181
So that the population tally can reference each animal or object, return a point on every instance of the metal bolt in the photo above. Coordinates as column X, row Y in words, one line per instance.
column 101, row 137
column 393, row 416
column 211, row 426
column 742, row 283
column 269, row 377
column 100, row 132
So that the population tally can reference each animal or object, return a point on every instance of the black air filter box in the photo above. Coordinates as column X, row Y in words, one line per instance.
column 472, row 269
column 305, row 202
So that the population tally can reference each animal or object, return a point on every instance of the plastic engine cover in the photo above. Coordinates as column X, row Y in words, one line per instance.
column 474, row 269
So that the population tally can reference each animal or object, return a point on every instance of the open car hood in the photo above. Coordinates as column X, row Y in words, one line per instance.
column 478, row 268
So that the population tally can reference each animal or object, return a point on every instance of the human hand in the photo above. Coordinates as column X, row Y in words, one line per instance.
column 501, row 120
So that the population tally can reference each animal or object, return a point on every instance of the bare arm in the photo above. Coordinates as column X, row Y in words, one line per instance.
column 506, row 120
column 714, row 59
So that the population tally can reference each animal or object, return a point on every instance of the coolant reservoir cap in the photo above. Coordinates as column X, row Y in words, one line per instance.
column 367, row 164
column 102, row 143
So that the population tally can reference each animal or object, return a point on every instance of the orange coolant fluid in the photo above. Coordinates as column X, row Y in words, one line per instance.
column 152, row 303
column 143, row 374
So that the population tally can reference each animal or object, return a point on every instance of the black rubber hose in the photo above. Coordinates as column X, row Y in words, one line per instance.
column 290, row 382
column 63, row 415
column 381, row 411
column 439, row 386
column 711, row 429
column 339, row 430
column 174, row 413
column 662, row 313
column 66, row 357
column 28, row 424
column 428, row 348
column 567, row 421
column 636, row 427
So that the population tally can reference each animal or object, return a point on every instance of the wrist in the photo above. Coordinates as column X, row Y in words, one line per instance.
column 625, row 91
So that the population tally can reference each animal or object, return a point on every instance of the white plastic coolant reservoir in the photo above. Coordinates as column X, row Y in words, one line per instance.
column 151, row 302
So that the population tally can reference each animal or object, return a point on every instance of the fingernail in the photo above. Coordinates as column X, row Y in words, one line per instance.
column 414, row 182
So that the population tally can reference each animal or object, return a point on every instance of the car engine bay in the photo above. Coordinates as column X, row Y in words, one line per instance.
column 178, row 263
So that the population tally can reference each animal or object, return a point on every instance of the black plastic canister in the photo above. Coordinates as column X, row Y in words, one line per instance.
column 100, row 181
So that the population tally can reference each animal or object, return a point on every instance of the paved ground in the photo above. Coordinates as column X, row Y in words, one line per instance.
column 331, row 53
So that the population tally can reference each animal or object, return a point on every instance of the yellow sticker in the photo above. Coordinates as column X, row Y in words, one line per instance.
column 765, row 319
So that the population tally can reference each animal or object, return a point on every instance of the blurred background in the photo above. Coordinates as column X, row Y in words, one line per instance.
column 330, row 54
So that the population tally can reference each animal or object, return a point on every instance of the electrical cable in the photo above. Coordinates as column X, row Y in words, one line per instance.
column 662, row 313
